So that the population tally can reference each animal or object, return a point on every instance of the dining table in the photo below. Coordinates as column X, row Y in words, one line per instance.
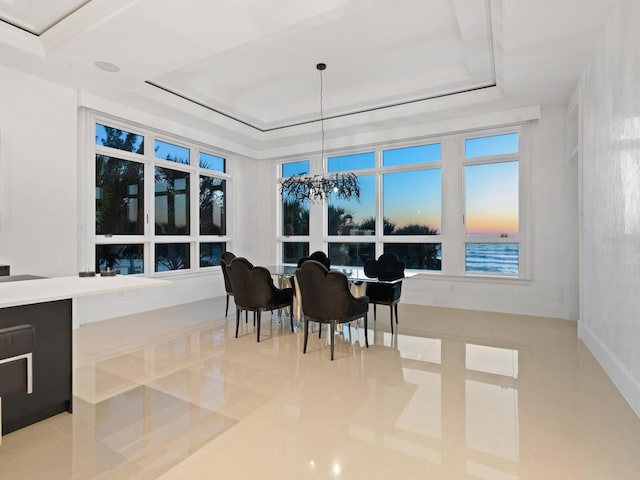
column 355, row 275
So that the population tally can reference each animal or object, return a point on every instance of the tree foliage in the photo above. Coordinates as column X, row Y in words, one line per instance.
column 295, row 218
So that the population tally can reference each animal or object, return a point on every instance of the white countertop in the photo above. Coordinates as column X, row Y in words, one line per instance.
column 50, row 289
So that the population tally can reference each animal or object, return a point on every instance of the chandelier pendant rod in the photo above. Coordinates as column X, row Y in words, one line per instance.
column 319, row 187
column 321, row 68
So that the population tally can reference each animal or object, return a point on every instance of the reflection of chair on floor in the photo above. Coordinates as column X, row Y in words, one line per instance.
column 226, row 259
column 387, row 267
column 254, row 290
column 326, row 299
column 16, row 344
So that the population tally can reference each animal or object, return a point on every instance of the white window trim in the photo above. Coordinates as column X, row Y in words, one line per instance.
column 453, row 237
column 88, row 239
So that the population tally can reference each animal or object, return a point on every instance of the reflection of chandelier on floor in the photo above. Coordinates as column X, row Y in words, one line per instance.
column 299, row 188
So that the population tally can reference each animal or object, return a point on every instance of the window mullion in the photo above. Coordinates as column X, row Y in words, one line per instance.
column 119, row 147
column 150, row 207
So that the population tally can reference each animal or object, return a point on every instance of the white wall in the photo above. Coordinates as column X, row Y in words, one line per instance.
column 253, row 210
column 610, row 320
column 38, row 176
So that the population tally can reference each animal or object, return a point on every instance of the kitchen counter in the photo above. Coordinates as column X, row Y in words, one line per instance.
column 46, row 304
column 37, row 290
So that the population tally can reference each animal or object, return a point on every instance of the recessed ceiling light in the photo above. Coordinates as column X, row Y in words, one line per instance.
column 107, row 67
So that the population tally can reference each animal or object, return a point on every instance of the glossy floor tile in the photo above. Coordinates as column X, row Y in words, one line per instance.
column 454, row 394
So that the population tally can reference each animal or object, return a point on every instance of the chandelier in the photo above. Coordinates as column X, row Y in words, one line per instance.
column 298, row 188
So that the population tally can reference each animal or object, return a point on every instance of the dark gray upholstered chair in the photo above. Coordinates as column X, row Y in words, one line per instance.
column 16, row 344
column 254, row 291
column 386, row 267
column 326, row 299
column 318, row 256
column 226, row 259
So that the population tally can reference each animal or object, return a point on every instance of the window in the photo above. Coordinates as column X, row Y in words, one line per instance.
column 119, row 258
column 412, row 203
column 417, row 256
column 171, row 153
column 119, row 199
column 411, row 155
column 410, row 194
column 351, row 253
column 160, row 210
column 211, row 253
column 119, row 139
column 492, row 205
column 450, row 205
column 172, row 202
column 294, row 251
column 294, row 226
column 172, row 256
column 357, row 161
column 212, row 205
column 353, row 217
column 295, row 215
column 212, row 162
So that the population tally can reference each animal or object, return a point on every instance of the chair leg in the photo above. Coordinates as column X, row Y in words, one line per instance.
column 226, row 308
column 291, row 316
column 333, row 328
column 237, row 320
column 319, row 330
column 256, row 316
column 306, row 335
column 395, row 307
column 246, row 316
column 366, row 331
column 391, row 317
column 374, row 312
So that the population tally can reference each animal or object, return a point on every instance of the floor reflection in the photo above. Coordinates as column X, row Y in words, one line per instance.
column 453, row 395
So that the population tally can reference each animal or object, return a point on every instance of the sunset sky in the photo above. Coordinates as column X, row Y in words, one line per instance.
column 491, row 191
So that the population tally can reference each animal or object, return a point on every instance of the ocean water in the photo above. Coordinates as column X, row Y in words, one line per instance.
column 492, row 258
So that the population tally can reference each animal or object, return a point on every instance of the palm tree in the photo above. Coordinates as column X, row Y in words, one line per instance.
column 370, row 224
column 295, row 217
column 336, row 218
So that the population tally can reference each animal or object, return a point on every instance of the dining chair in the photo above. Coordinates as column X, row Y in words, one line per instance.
column 16, row 344
column 254, row 291
column 326, row 299
column 386, row 268
column 225, row 260
column 318, row 256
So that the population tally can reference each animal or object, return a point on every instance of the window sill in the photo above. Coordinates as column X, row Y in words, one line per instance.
column 504, row 280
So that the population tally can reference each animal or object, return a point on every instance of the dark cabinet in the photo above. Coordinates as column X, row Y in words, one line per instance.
column 51, row 364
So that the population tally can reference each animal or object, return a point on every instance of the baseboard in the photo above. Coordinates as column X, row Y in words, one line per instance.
column 623, row 379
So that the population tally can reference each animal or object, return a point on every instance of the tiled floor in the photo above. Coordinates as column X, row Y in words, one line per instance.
column 454, row 395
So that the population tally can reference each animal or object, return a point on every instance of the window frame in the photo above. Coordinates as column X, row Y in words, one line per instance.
column 89, row 239
column 523, row 205
column 452, row 237
column 282, row 238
